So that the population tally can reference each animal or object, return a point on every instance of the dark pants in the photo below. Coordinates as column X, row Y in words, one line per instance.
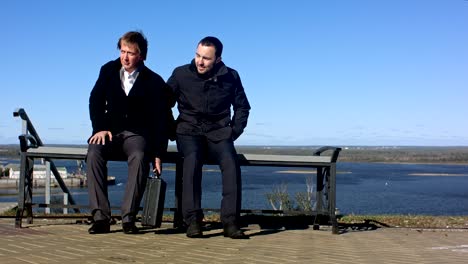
column 124, row 146
column 194, row 149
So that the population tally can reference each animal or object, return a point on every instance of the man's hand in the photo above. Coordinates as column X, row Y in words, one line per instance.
column 100, row 137
column 157, row 166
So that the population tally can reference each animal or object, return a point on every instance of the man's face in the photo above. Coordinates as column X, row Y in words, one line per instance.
column 205, row 58
column 129, row 56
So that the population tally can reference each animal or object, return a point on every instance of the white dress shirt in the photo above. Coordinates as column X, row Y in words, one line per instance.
column 128, row 79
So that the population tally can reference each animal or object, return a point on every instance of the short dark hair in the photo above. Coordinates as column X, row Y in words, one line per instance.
column 135, row 37
column 215, row 42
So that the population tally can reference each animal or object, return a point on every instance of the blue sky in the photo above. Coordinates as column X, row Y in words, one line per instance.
column 322, row 72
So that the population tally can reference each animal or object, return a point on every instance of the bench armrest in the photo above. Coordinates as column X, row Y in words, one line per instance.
column 336, row 152
column 27, row 141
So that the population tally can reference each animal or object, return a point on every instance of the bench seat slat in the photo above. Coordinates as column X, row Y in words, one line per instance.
column 58, row 150
column 287, row 158
column 245, row 159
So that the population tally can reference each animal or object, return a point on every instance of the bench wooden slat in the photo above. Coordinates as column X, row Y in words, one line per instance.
column 245, row 159
column 274, row 159
column 58, row 150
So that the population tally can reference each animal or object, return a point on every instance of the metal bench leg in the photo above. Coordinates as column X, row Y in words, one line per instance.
column 24, row 191
column 28, row 191
column 19, row 215
column 332, row 198
column 319, row 198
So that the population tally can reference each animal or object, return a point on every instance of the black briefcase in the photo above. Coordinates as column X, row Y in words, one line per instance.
column 153, row 207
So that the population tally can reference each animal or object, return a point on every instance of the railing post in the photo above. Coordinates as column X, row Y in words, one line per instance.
column 47, row 187
column 65, row 202
column 24, row 127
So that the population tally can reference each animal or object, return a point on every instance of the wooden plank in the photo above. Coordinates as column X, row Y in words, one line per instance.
column 287, row 158
column 172, row 157
column 58, row 150
column 57, row 153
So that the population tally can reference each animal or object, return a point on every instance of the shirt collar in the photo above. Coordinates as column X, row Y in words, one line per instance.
column 125, row 75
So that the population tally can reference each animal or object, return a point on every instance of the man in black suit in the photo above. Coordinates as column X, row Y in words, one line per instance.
column 205, row 91
column 129, row 111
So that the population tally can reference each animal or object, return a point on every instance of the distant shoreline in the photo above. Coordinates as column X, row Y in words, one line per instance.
column 348, row 172
column 438, row 174
column 422, row 163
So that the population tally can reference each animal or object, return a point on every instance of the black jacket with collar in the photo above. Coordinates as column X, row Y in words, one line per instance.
column 204, row 102
column 145, row 111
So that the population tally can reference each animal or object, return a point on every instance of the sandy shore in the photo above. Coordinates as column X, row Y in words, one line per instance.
column 438, row 174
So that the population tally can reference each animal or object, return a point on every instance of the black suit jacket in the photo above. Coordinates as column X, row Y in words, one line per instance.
column 145, row 111
column 204, row 102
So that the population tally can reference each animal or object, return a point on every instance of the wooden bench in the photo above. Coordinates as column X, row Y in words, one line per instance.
column 32, row 148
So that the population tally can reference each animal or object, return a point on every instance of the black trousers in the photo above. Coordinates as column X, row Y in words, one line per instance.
column 124, row 146
column 194, row 149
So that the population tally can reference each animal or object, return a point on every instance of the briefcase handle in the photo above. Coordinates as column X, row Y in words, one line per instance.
column 154, row 175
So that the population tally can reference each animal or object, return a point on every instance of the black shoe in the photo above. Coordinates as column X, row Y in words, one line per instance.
column 129, row 228
column 194, row 230
column 232, row 231
column 99, row 227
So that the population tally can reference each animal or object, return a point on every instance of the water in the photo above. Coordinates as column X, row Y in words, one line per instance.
column 362, row 188
column 400, row 189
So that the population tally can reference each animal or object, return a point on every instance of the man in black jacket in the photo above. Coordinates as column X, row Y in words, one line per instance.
column 204, row 91
column 128, row 107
